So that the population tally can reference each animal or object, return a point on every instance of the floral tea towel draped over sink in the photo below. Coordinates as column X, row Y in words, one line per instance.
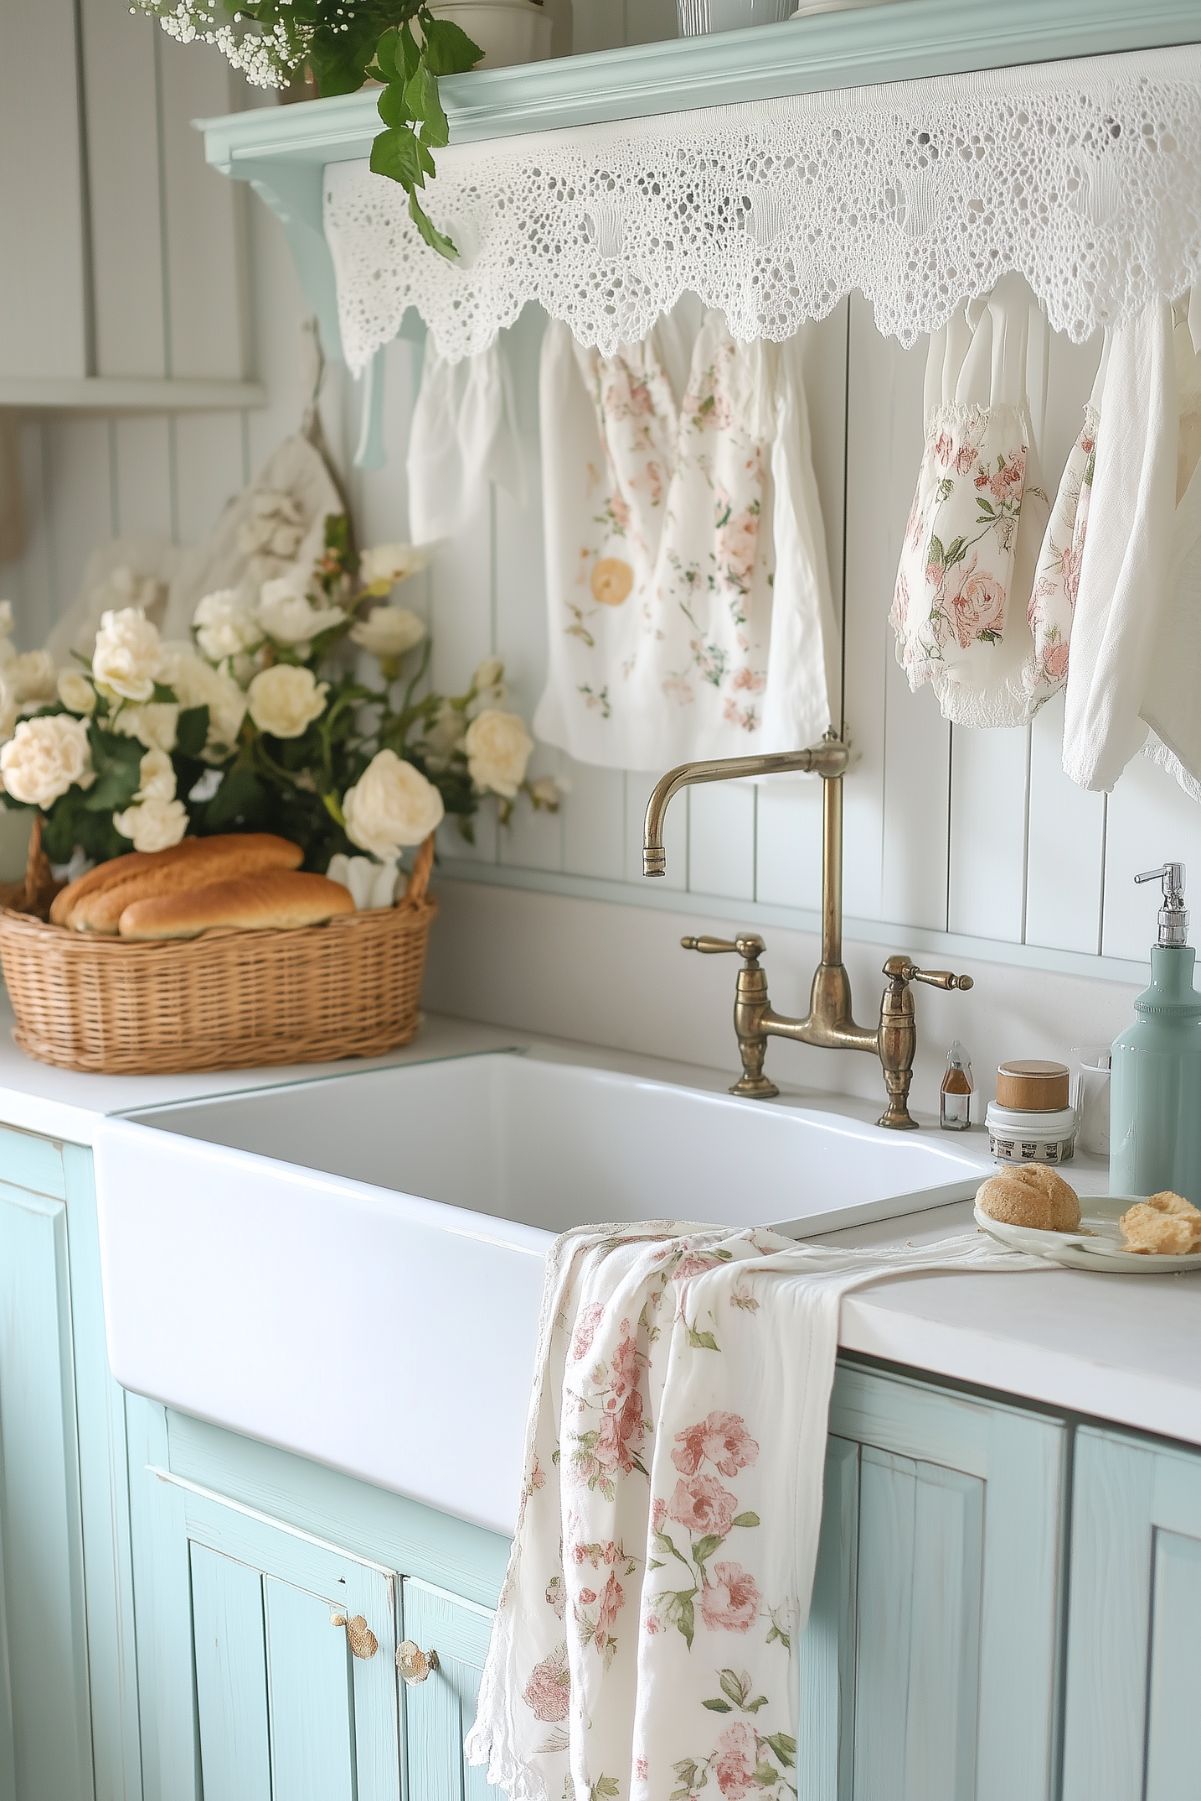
column 645, row 1643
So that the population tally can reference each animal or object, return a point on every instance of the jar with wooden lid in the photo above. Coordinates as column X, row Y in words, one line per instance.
column 1031, row 1120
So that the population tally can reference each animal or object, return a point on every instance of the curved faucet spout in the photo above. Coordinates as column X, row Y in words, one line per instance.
column 828, row 759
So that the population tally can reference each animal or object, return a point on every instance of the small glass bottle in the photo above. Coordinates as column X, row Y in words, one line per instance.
column 955, row 1099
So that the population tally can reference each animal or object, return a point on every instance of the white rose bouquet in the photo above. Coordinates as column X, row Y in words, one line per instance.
column 302, row 711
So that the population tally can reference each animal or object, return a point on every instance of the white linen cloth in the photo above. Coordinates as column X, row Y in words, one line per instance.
column 971, row 541
column 646, row 1634
column 1119, row 652
column 690, row 609
column 1171, row 705
column 463, row 438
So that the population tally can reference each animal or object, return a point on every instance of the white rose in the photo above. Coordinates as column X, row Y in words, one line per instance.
column 153, row 824
column 284, row 700
column 197, row 684
column 224, row 627
column 153, row 725
column 369, row 884
column 44, row 757
column 76, row 692
column 489, row 678
column 286, row 613
column 128, row 654
column 381, row 568
column 32, row 676
column 546, row 794
column 444, row 735
column 390, row 806
column 156, row 778
column 388, row 632
column 498, row 749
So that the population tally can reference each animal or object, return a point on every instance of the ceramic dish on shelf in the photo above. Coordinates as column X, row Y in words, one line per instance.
column 1097, row 1245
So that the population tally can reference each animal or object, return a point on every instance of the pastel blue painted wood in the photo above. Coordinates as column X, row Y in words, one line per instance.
column 1134, row 1625
column 229, row 1636
column 439, row 1711
column 104, row 1501
column 27, row 1161
column 44, row 1625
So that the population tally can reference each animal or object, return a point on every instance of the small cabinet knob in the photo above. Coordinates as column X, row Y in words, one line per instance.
column 359, row 1636
column 413, row 1663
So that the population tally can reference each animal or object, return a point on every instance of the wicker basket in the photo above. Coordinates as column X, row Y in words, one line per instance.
column 226, row 1000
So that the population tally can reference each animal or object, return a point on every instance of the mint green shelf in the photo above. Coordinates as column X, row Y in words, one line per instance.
column 282, row 151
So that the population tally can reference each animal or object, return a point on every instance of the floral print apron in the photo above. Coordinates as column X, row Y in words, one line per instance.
column 689, row 600
column 967, row 562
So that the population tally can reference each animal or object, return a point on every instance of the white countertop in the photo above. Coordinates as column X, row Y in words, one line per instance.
column 1121, row 1347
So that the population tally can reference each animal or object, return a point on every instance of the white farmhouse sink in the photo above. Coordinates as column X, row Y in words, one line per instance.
column 351, row 1267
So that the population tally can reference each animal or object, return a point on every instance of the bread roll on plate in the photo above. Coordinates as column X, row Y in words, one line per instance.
column 188, row 865
column 1032, row 1195
column 270, row 900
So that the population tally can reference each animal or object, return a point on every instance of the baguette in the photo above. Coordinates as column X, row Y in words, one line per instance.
column 115, row 870
column 190, row 864
column 271, row 899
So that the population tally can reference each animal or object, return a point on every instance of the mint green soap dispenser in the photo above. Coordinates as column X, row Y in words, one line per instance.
column 1155, row 1080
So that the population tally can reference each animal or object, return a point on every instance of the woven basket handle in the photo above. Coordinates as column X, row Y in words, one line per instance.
column 419, row 878
column 38, row 883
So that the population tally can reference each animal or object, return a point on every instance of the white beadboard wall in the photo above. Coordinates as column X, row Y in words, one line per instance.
column 964, row 847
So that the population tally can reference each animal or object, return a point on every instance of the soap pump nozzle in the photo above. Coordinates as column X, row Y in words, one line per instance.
column 1173, row 915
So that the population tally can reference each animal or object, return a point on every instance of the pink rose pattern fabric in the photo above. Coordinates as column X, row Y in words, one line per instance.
column 953, row 599
column 1057, row 577
column 645, row 1642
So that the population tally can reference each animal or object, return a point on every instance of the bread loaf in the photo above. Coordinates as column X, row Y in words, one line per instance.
column 269, row 899
column 191, row 864
column 1030, row 1195
column 115, row 870
column 1164, row 1225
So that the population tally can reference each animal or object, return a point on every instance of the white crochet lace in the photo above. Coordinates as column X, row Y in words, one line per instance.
column 1083, row 176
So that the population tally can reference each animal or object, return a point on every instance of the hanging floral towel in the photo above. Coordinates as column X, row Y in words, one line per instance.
column 967, row 564
column 646, row 1639
column 690, row 605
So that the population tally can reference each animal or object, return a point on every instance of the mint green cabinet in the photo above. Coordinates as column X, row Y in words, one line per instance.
column 936, row 1607
column 68, row 1684
column 278, row 1657
column 1132, row 1727
column 439, row 1710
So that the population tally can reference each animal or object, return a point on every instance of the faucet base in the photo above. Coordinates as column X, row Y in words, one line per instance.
column 755, row 1088
column 898, row 1118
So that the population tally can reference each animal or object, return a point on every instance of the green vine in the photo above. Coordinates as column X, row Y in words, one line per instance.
column 344, row 43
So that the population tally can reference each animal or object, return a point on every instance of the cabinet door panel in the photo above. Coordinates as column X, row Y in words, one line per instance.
column 1132, row 1730
column 439, row 1711
column 311, row 1699
column 936, row 1602
column 920, row 1562
column 45, row 1731
column 231, row 1693
column 252, row 1691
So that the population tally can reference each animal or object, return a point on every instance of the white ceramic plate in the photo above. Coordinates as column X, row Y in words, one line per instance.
column 1096, row 1246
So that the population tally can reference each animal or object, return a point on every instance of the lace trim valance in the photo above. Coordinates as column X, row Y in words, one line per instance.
column 1085, row 177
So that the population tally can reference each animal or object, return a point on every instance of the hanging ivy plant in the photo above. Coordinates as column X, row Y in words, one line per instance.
column 399, row 43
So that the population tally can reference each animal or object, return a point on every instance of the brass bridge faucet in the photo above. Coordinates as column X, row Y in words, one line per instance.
column 830, row 1022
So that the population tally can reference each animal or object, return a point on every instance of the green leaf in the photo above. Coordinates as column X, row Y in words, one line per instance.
column 385, row 56
column 392, row 106
column 605, row 1788
column 241, row 799
column 764, row 1776
column 422, row 99
column 717, row 1706
column 746, row 1519
column 956, row 551
column 705, row 1547
column 935, row 553
column 734, row 1686
column 429, row 231
column 448, row 49
column 784, row 1746
column 394, row 154
column 701, row 1341
column 191, row 731
column 118, row 764
column 410, row 52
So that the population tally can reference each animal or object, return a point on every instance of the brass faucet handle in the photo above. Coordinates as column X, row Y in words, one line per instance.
column 900, row 970
column 749, row 945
